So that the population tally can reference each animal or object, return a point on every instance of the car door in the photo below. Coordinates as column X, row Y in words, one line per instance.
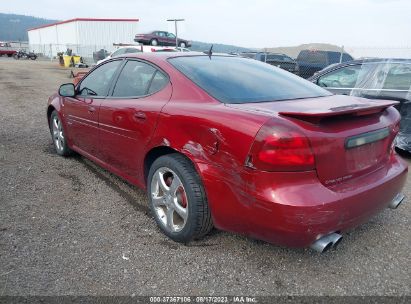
column 340, row 81
column 163, row 40
column 129, row 116
column 171, row 39
column 81, row 111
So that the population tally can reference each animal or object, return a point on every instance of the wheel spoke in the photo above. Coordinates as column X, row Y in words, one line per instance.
column 169, row 215
column 174, row 185
column 161, row 182
column 55, row 123
column 182, row 212
column 157, row 201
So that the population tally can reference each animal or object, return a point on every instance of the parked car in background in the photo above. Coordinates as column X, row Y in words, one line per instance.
column 6, row 49
column 311, row 61
column 130, row 49
column 161, row 38
column 234, row 143
column 279, row 60
column 375, row 79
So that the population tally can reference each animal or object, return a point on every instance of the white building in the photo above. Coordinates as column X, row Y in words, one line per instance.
column 83, row 35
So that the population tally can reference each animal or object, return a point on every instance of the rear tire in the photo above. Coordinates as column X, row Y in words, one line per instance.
column 154, row 42
column 58, row 135
column 182, row 44
column 177, row 199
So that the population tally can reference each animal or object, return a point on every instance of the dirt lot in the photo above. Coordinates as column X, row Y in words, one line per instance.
column 69, row 227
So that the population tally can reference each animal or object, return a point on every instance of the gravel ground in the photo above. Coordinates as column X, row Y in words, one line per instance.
column 68, row 227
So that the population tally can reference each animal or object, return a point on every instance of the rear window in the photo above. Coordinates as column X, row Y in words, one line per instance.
column 313, row 57
column 240, row 80
column 275, row 57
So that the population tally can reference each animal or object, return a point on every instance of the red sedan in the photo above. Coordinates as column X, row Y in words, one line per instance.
column 233, row 143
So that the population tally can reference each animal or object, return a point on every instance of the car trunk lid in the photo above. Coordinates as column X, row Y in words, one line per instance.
column 349, row 136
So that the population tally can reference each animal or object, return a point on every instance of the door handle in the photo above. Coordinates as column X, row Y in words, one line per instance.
column 91, row 109
column 140, row 115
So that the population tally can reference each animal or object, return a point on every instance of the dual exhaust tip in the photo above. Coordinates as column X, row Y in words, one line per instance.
column 333, row 239
column 327, row 242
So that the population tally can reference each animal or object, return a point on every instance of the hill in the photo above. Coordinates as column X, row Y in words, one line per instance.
column 14, row 27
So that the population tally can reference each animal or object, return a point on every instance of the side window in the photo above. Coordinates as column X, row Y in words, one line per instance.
column 159, row 81
column 119, row 52
column 97, row 83
column 398, row 77
column 342, row 78
column 134, row 79
column 170, row 35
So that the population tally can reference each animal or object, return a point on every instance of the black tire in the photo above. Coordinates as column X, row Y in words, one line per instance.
column 154, row 42
column 199, row 222
column 182, row 44
column 9, row 55
column 33, row 57
column 62, row 150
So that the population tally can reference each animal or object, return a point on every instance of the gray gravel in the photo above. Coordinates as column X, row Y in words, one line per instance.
column 68, row 227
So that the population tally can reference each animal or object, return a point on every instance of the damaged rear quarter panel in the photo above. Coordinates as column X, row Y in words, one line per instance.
column 217, row 140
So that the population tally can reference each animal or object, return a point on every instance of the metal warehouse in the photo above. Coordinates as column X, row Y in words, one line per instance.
column 83, row 35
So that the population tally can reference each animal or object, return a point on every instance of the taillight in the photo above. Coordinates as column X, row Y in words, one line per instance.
column 280, row 148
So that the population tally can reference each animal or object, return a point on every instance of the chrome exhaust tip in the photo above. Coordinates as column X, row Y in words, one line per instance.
column 398, row 199
column 326, row 242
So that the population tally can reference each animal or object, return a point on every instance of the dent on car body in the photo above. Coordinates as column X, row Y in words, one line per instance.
column 229, row 172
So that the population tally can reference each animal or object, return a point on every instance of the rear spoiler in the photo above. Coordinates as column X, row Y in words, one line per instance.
column 315, row 115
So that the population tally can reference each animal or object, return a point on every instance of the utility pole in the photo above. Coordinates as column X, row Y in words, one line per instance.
column 341, row 53
column 175, row 27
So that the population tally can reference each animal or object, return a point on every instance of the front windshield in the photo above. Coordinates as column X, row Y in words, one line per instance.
column 242, row 80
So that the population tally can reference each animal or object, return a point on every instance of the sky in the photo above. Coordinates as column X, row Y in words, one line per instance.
column 252, row 23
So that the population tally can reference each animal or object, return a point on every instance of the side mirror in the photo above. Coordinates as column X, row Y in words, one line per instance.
column 67, row 90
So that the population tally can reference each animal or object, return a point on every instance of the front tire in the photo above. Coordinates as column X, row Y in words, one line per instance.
column 58, row 135
column 182, row 44
column 177, row 199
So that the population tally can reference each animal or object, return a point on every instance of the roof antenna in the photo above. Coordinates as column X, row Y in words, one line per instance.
column 210, row 51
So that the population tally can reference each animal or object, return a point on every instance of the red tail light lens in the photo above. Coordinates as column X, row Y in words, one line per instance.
column 279, row 148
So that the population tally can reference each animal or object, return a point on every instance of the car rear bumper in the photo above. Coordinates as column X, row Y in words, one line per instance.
column 295, row 209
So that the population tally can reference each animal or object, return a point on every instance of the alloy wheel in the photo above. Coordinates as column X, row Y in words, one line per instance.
column 58, row 136
column 169, row 199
